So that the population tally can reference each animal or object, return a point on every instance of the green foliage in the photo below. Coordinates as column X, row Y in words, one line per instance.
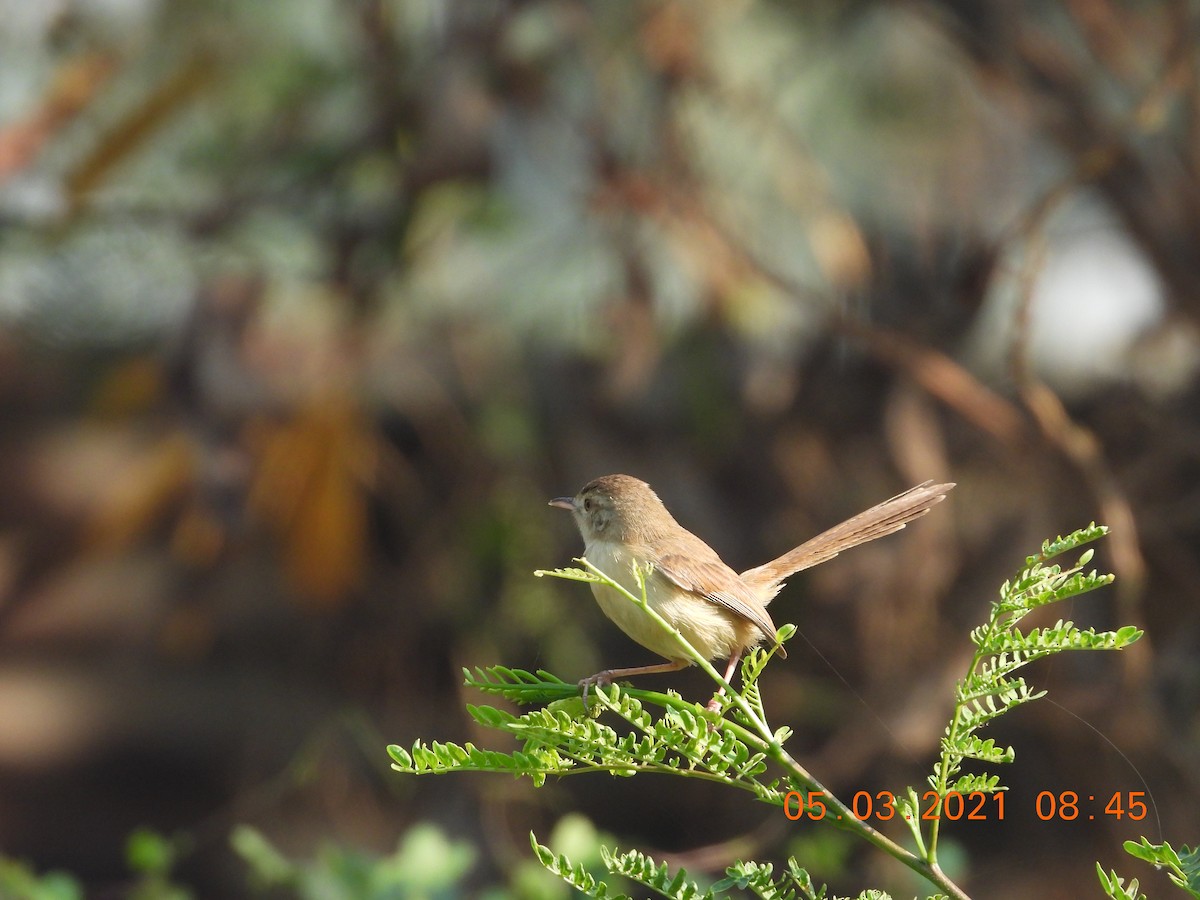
column 574, row 874
column 632, row 865
column 628, row 731
column 1116, row 888
column 153, row 856
column 425, row 864
column 149, row 852
column 794, row 884
column 149, row 855
column 1183, row 868
column 19, row 882
column 991, row 688
column 753, row 877
column 684, row 739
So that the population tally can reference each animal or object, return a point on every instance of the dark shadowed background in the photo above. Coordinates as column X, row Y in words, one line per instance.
column 307, row 308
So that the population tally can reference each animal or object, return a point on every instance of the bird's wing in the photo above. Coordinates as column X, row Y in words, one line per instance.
column 715, row 581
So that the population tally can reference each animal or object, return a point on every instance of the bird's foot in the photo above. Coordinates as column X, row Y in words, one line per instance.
column 600, row 679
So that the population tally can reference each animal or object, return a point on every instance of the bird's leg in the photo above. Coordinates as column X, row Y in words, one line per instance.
column 715, row 703
column 609, row 675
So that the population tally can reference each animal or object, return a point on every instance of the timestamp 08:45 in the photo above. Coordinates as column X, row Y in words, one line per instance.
column 975, row 806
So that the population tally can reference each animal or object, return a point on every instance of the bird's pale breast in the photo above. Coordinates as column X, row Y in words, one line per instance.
column 711, row 629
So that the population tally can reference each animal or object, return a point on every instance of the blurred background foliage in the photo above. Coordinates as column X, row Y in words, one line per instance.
column 307, row 307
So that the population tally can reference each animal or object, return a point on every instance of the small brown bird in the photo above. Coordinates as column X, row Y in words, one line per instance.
column 719, row 612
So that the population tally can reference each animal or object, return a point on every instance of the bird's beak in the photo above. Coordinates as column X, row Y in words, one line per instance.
column 563, row 503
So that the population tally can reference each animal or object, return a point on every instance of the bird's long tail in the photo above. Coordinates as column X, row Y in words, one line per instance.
column 883, row 518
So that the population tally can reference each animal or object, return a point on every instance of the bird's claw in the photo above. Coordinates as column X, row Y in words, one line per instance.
column 600, row 679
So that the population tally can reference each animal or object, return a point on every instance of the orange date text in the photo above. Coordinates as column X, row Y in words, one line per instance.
column 976, row 806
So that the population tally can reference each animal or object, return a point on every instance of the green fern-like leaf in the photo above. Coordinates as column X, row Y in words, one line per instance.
column 442, row 759
column 992, row 687
column 1116, row 888
column 1074, row 540
column 752, row 876
column 558, row 740
column 1183, row 867
column 969, row 784
column 986, row 751
column 571, row 573
column 794, row 884
column 757, row 878
column 752, row 667
column 638, row 867
column 577, row 876
column 1189, row 868
column 520, row 686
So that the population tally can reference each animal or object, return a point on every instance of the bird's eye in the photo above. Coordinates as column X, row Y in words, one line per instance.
column 587, row 505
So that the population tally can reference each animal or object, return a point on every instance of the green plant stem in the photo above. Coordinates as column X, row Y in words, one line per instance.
column 944, row 765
